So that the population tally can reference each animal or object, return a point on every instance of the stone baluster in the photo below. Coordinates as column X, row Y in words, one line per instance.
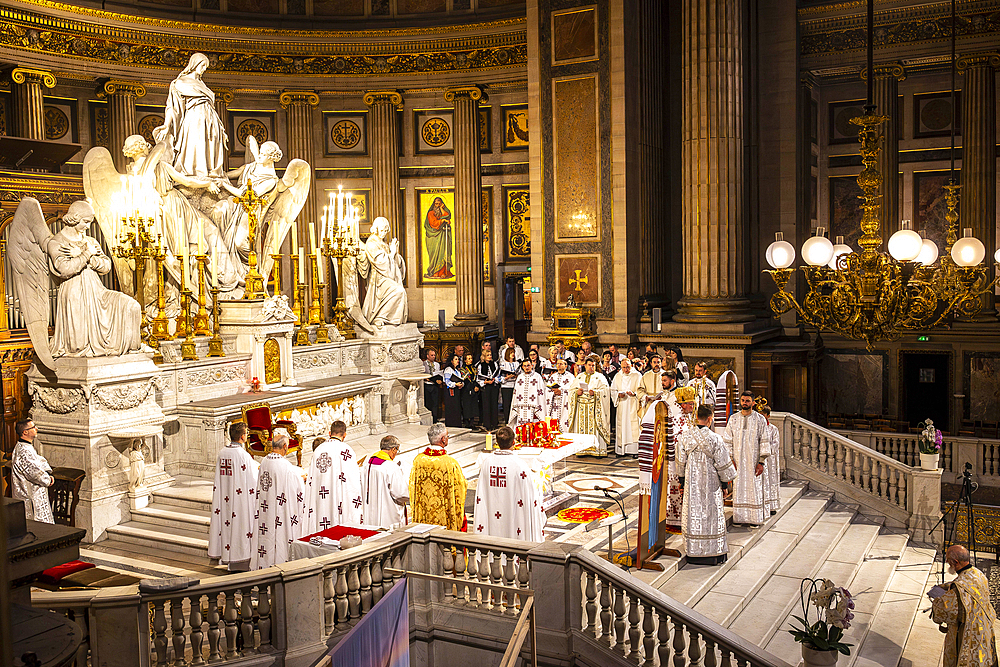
column 121, row 96
column 727, row 658
column 619, row 622
column 849, row 465
column 365, row 581
column 377, row 590
column 522, row 575
column 460, row 568
column 902, row 491
column 197, row 634
column 340, row 590
column 605, row 613
column 495, row 579
column 711, row 658
column 329, row 609
column 160, row 633
column 893, row 475
column 680, row 645
column 648, row 635
column 822, row 444
column 214, row 633
column 246, row 612
column 448, row 567
column 663, row 639
column 633, row 628
column 590, row 606
column 866, row 473
column 29, row 106
column 353, row 594
column 177, row 637
column 299, row 106
column 485, row 560
column 468, row 205
column 694, row 647
column 264, row 616
column 472, row 575
column 223, row 98
column 796, row 442
column 883, row 481
column 383, row 145
column 508, row 580
column 231, row 614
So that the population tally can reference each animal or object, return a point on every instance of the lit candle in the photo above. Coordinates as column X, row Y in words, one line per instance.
column 184, row 268
column 276, row 250
column 340, row 205
column 302, row 266
column 322, row 227
column 320, row 261
column 201, row 239
column 215, row 266
column 489, row 441
column 312, row 237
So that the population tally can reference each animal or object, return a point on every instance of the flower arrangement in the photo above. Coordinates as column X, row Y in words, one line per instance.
column 836, row 607
column 930, row 438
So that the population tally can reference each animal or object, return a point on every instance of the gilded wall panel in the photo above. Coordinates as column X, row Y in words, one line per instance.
column 244, row 123
column 579, row 274
column 487, row 209
column 346, row 133
column 574, row 35
column 517, row 222
column 577, row 167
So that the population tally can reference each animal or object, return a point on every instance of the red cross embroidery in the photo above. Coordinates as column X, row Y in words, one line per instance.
column 518, row 531
column 262, row 551
column 227, row 547
column 277, row 521
column 342, row 478
column 523, row 474
column 243, row 467
column 498, row 476
column 479, row 528
column 217, row 510
column 295, row 520
column 346, row 454
column 323, row 492
column 281, row 499
column 227, row 499
column 249, row 535
column 520, row 503
column 263, row 529
column 325, row 523
column 478, row 499
column 498, row 515
column 226, row 468
column 227, row 522
column 357, row 501
column 239, row 492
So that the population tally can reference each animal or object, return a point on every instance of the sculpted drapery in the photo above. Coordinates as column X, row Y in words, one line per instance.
column 381, row 264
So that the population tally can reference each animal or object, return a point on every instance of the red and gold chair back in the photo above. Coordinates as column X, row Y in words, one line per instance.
column 260, row 430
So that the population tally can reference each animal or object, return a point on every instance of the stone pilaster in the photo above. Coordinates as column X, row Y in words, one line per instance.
column 298, row 106
column 885, row 95
column 712, row 171
column 121, row 97
column 223, row 98
column 383, row 145
column 468, row 205
column 29, row 114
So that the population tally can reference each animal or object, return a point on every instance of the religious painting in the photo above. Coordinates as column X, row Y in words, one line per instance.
column 576, row 166
column 982, row 383
column 485, row 129
column 432, row 130
column 517, row 222
column 100, row 125
column 574, row 35
column 487, row 213
column 842, row 130
column 345, row 133
column 716, row 366
column 60, row 118
column 862, row 382
column 845, row 209
column 147, row 119
column 436, row 235
column 929, row 205
column 515, row 127
column 932, row 114
column 339, row 7
column 244, row 123
column 579, row 275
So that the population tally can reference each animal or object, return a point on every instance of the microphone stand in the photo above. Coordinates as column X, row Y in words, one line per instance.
column 621, row 505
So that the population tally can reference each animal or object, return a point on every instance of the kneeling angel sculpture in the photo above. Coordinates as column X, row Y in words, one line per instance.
column 91, row 320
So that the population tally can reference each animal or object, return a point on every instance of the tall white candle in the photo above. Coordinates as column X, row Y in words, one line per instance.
column 312, row 237
column 184, row 267
column 320, row 262
column 201, row 238
column 302, row 266
column 215, row 266
column 295, row 236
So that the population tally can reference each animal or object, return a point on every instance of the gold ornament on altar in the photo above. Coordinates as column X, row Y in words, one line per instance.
column 251, row 203
column 340, row 240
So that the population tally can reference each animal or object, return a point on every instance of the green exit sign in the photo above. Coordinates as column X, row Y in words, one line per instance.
column 923, row 339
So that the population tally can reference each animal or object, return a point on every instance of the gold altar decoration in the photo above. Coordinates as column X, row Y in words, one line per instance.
column 340, row 240
column 160, row 326
column 215, row 342
column 188, row 351
column 272, row 361
column 251, row 203
column 201, row 319
column 573, row 323
column 135, row 243
column 300, row 308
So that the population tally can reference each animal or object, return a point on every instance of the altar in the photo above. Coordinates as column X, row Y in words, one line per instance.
column 544, row 460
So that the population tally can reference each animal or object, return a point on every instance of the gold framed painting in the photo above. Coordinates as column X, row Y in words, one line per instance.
column 436, row 235
column 515, row 127
column 487, row 213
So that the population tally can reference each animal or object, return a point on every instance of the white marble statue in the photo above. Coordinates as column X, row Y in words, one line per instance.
column 384, row 268
column 357, row 411
column 276, row 308
column 351, row 298
column 136, row 467
column 90, row 319
column 411, row 401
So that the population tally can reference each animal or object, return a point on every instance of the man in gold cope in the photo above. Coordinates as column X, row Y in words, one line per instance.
column 964, row 606
column 437, row 484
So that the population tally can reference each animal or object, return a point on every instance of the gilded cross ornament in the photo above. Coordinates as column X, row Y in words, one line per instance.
column 579, row 280
column 251, row 203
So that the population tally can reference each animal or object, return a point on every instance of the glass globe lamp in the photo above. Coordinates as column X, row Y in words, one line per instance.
column 928, row 253
column 780, row 254
column 839, row 248
column 968, row 250
column 905, row 245
column 817, row 250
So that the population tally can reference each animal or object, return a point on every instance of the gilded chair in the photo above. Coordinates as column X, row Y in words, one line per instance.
column 260, row 431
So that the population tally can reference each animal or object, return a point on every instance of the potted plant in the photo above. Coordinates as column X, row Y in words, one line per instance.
column 821, row 639
column 929, row 441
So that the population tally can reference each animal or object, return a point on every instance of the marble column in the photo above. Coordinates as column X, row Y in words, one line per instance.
column 298, row 106
column 885, row 95
column 383, row 144
column 712, row 174
column 29, row 108
column 471, row 309
column 223, row 98
column 121, row 97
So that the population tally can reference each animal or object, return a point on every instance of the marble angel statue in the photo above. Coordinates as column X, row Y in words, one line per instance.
column 384, row 268
column 91, row 320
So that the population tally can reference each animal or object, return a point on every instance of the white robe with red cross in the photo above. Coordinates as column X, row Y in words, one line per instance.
column 333, row 492
column 234, row 503
column 508, row 502
column 281, row 511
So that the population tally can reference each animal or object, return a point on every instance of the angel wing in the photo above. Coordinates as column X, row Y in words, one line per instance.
column 26, row 242
column 104, row 187
column 280, row 216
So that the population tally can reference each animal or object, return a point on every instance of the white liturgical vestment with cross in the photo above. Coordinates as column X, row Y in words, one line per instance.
column 281, row 511
column 333, row 491
column 508, row 503
column 234, row 503
column 384, row 491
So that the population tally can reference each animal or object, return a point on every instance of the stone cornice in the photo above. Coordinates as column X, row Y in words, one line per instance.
column 28, row 75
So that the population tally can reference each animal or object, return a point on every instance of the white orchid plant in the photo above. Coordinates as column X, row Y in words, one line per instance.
column 836, row 610
column 930, row 438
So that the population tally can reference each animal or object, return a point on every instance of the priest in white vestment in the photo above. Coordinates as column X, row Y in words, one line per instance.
column 384, row 488
column 528, row 402
column 649, row 385
column 703, row 386
column 508, row 502
column 590, row 407
column 772, row 466
column 29, row 474
column 558, row 394
column 333, row 489
column 704, row 463
column 234, row 502
column 746, row 435
column 624, row 396
column 281, row 507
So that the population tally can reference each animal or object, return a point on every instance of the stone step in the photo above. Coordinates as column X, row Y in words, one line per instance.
column 187, row 493
column 171, row 516
column 123, row 556
column 764, row 613
column 176, row 540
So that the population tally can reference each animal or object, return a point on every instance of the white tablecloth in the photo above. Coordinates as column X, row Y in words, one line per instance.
column 541, row 459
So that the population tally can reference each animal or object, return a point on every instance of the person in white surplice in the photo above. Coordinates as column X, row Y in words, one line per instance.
column 234, row 502
column 281, row 507
column 746, row 435
column 624, row 397
column 385, row 491
column 558, row 394
column 333, row 489
column 508, row 502
column 528, row 402
column 29, row 474
column 704, row 462
column 590, row 407
column 772, row 467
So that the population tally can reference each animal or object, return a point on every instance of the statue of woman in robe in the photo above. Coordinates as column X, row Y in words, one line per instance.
column 381, row 264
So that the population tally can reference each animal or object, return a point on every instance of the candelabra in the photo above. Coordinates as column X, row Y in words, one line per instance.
column 182, row 323
column 322, row 331
column 136, row 244
column 201, row 319
column 341, row 247
column 254, row 281
column 314, row 308
column 296, row 305
column 277, row 273
column 160, row 326
column 302, row 333
column 188, row 352
column 215, row 343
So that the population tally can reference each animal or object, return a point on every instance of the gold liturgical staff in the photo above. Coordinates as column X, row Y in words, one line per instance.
column 574, row 323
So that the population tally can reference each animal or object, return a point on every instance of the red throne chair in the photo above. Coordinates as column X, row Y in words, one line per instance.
column 260, row 430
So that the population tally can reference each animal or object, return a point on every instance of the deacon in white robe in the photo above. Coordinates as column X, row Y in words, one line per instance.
column 624, row 396
column 772, row 466
column 333, row 489
column 649, row 385
column 590, row 407
column 29, row 474
column 281, row 507
column 558, row 394
column 704, row 463
column 528, row 402
column 384, row 488
column 234, row 502
column 746, row 436
column 508, row 502
column 703, row 386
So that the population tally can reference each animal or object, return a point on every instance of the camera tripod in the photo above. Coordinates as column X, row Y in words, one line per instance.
column 964, row 501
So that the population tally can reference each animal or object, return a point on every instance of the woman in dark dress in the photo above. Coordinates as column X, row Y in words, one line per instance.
column 453, row 384
column 470, row 392
column 489, row 390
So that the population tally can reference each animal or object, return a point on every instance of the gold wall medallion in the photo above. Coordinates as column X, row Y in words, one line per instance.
column 147, row 125
column 517, row 214
column 252, row 127
column 56, row 123
column 435, row 132
column 346, row 134
column 272, row 362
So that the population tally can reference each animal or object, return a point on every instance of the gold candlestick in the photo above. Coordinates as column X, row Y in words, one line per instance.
column 314, row 308
column 182, row 323
column 302, row 334
column 215, row 344
column 277, row 273
column 135, row 243
column 296, row 306
column 188, row 351
column 201, row 319
column 160, row 329
column 254, row 281
column 340, row 249
column 322, row 331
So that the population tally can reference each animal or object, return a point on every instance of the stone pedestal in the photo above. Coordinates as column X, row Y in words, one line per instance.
column 79, row 408
column 394, row 353
column 270, row 362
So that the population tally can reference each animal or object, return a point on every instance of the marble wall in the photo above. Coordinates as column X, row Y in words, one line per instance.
column 860, row 385
column 982, row 381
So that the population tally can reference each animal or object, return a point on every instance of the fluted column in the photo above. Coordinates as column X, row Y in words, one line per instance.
column 886, row 97
column 468, row 205
column 29, row 112
column 121, row 97
column 298, row 106
column 712, row 163
column 383, row 144
column 223, row 98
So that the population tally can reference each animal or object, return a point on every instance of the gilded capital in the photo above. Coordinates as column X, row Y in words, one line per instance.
column 115, row 87
column 392, row 97
column 471, row 92
column 974, row 60
column 885, row 71
column 28, row 75
column 290, row 97
column 223, row 95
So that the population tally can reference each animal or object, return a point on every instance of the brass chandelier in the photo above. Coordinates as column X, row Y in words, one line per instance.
column 873, row 295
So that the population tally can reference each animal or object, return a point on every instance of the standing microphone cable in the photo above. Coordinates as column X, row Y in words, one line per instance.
column 620, row 504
